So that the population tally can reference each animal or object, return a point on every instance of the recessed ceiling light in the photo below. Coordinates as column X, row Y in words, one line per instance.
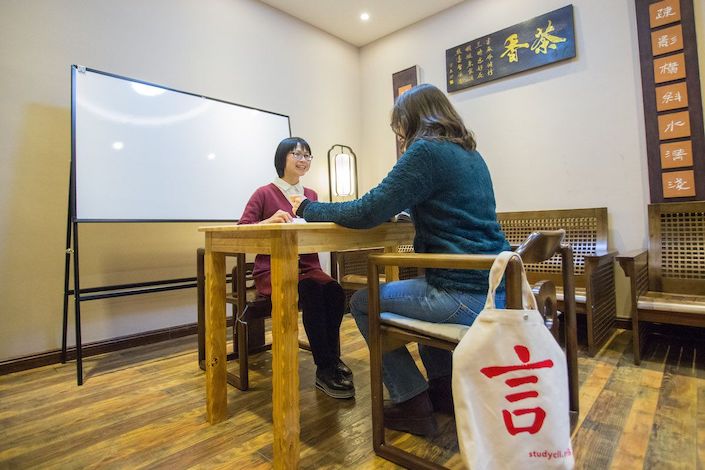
column 118, row 145
column 365, row 16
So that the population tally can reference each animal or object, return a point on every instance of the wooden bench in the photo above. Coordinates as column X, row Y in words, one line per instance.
column 668, row 280
column 586, row 232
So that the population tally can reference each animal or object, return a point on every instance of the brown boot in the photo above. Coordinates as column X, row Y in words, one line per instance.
column 414, row 416
column 440, row 391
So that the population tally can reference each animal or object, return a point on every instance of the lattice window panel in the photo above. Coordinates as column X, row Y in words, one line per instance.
column 356, row 261
column 580, row 233
column 683, row 245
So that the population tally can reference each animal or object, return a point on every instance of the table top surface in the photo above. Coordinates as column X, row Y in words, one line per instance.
column 312, row 226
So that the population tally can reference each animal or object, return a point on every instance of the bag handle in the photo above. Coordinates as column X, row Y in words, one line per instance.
column 495, row 278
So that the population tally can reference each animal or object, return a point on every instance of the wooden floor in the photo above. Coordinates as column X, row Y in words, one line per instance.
column 145, row 408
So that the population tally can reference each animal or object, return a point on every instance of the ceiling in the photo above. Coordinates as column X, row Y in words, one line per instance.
column 341, row 18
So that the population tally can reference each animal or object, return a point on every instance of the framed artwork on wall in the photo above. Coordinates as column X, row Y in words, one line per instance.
column 402, row 82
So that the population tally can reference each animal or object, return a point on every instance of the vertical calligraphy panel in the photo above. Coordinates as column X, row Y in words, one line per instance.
column 672, row 101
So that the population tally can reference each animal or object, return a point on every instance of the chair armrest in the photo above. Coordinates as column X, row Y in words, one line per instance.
column 635, row 265
column 601, row 257
column 632, row 261
column 442, row 261
column 432, row 260
column 632, row 254
column 483, row 262
column 600, row 265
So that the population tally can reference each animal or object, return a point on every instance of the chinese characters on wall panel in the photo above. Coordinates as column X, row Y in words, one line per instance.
column 542, row 40
column 672, row 101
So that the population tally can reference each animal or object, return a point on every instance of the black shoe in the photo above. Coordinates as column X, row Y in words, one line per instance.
column 440, row 391
column 414, row 416
column 330, row 383
column 343, row 370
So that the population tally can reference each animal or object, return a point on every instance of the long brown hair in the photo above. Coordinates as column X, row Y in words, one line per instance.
column 424, row 112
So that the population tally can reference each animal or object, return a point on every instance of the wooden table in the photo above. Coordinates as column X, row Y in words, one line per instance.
column 283, row 242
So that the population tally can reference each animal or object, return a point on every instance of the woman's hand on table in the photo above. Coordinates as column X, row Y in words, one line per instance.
column 279, row 217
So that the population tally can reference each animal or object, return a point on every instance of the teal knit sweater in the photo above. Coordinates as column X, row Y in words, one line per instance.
column 450, row 195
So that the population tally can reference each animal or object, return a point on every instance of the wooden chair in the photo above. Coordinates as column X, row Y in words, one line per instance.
column 389, row 331
column 668, row 280
column 249, row 312
column 586, row 232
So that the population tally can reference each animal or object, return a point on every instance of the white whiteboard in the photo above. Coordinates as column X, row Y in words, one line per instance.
column 148, row 153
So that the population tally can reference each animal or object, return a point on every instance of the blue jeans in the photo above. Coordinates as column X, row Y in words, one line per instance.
column 414, row 298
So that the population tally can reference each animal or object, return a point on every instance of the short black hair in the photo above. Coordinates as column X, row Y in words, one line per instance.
column 285, row 146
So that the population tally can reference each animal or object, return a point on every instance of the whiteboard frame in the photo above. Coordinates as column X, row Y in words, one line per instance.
column 73, row 215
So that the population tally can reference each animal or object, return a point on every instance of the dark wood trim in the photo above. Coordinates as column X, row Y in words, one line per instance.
column 99, row 347
column 623, row 323
column 695, row 109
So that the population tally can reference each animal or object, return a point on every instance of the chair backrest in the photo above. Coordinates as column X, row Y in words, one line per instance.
column 541, row 246
column 585, row 231
column 677, row 247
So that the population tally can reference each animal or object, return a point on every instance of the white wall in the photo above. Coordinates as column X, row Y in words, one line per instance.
column 236, row 50
column 569, row 135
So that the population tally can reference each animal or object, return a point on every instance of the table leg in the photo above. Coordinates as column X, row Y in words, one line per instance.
column 391, row 273
column 285, row 349
column 216, row 371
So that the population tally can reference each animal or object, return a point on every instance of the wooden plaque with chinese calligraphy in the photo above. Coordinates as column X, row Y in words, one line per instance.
column 534, row 43
column 672, row 101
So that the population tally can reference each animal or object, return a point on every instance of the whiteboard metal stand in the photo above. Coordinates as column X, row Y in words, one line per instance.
column 72, row 232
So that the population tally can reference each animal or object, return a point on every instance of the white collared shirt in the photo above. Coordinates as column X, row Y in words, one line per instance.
column 289, row 189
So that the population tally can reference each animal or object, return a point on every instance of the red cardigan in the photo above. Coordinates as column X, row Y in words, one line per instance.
column 263, row 204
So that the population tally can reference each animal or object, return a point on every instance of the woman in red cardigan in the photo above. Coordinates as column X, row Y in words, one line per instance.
column 320, row 296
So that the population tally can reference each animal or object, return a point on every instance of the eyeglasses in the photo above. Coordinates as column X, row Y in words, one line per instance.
column 298, row 156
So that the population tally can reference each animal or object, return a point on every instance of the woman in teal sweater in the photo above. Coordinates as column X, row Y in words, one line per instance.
column 447, row 186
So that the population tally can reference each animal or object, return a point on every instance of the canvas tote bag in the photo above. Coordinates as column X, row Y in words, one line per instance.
column 510, row 387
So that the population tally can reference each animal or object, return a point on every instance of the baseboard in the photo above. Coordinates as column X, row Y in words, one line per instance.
column 99, row 347
column 624, row 323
